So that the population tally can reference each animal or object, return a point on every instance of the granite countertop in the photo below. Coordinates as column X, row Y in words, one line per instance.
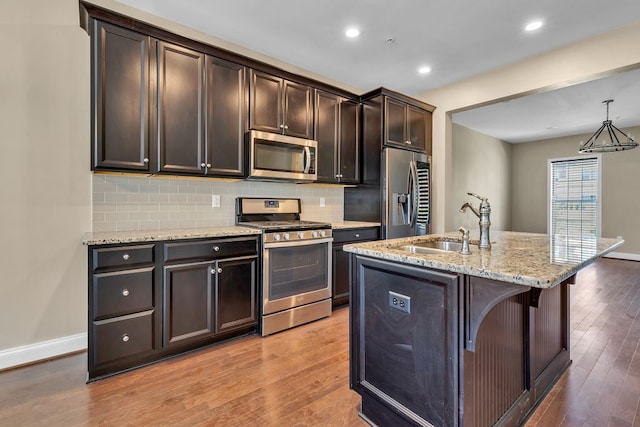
column 536, row 260
column 110, row 237
column 115, row 237
column 353, row 224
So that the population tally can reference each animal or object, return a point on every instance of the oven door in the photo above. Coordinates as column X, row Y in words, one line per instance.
column 295, row 274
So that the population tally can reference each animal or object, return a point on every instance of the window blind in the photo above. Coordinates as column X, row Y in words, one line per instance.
column 575, row 201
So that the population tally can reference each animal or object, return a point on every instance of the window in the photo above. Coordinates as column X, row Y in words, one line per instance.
column 574, row 203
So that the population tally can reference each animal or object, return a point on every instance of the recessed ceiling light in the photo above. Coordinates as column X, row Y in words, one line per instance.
column 533, row 25
column 424, row 69
column 352, row 32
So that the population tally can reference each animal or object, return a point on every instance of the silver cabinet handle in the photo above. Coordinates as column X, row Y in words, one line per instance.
column 356, row 235
column 126, row 257
column 208, row 165
column 145, row 160
column 216, row 248
column 213, row 271
column 286, row 126
column 125, row 292
column 202, row 165
column 281, row 126
column 219, row 270
column 125, row 338
column 408, row 142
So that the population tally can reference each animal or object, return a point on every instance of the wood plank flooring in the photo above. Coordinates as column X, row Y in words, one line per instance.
column 300, row 377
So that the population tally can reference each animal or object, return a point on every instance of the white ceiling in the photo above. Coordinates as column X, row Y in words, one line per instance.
column 456, row 38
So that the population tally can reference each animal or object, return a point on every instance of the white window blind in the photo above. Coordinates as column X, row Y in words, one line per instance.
column 575, row 197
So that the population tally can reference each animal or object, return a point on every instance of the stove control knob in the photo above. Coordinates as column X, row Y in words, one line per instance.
column 286, row 236
column 314, row 234
column 301, row 235
column 323, row 233
column 276, row 236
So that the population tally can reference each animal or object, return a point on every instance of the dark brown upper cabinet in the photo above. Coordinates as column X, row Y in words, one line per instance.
column 181, row 104
column 407, row 126
column 202, row 113
column 336, row 130
column 280, row 106
column 122, row 89
column 227, row 123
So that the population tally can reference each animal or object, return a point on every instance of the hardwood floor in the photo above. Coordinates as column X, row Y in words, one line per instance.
column 300, row 377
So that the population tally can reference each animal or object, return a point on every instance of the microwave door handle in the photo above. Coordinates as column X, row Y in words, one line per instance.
column 307, row 159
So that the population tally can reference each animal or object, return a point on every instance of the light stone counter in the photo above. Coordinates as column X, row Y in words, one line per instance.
column 111, row 237
column 353, row 224
column 528, row 259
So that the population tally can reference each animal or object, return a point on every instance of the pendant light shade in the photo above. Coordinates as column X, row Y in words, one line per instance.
column 613, row 139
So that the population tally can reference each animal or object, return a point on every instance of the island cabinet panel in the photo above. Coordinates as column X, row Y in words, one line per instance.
column 494, row 374
column 121, row 68
column 405, row 347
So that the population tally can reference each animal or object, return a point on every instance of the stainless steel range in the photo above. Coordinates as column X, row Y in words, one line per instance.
column 296, row 262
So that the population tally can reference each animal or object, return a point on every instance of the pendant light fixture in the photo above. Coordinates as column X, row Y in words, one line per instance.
column 605, row 145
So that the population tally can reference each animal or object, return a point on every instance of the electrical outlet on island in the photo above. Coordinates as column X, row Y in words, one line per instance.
column 215, row 200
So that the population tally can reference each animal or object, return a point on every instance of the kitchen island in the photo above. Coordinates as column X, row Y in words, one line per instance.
column 445, row 339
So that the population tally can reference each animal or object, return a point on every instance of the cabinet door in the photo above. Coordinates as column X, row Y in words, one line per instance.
column 349, row 170
column 180, row 109
column 340, row 277
column 326, row 133
column 395, row 122
column 121, row 66
column 226, row 117
column 417, row 127
column 236, row 294
column 188, row 302
column 265, row 106
column 298, row 110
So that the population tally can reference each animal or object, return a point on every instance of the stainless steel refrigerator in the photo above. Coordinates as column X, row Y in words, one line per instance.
column 405, row 193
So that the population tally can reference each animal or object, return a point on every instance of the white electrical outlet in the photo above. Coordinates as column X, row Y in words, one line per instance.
column 215, row 200
column 322, row 202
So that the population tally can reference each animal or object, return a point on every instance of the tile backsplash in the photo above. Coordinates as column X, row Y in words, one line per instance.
column 129, row 202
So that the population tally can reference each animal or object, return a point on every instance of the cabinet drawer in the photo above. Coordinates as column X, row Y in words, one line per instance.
column 209, row 249
column 122, row 337
column 356, row 234
column 122, row 292
column 122, row 256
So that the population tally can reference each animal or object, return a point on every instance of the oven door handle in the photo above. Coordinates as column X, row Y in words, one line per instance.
column 288, row 243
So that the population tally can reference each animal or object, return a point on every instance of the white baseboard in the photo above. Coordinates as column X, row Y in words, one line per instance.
column 43, row 350
column 623, row 255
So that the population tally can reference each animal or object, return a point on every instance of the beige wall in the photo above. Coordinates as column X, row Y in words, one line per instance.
column 482, row 165
column 620, row 195
column 615, row 50
column 45, row 184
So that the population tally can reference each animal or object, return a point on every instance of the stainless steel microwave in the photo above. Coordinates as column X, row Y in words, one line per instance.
column 280, row 157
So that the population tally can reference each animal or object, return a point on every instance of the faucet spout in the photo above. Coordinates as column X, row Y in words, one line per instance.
column 470, row 206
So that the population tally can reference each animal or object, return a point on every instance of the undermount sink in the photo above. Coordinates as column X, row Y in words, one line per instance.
column 433, row 247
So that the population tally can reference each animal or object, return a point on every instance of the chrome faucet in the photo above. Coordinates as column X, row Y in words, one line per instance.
column 483, row 212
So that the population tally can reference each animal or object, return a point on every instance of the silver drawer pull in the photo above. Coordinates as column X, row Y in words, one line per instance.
column 219, row 270
column 213, row 271
column 125, row 257
column 216, row 248
column 145, row 160
column 125, row 292
column 125, row 338
column 356, row 235
column 202, row 165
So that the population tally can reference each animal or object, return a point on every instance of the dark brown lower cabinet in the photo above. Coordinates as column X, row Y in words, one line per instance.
column 151, row 301
column 431, row 347
column 341, row 259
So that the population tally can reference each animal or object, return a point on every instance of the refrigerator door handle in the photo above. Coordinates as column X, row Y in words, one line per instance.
column 413, row 193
